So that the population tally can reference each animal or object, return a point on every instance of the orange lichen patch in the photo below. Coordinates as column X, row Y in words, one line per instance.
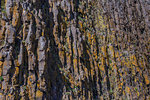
column 102, row 61
column 25, row 32
column 125, row 72
column 75, row 61
column 92, row 72
column 80, row 23
column 65, row 18
column 102, row 68
column 17, row 63
column 9, row 95
column 42, row 33
column 17, row 70
column 111, row 64
column 86, row 71
column 68, row 59
column 115, row 67
column 30, row 78
column 103, row 48
column 72, row 83
column 138, row 94
column 128, row 64
column 1, row 63
column 6, row 63
column 75, row 65
column 0, row 71
column 73, row 50
column 138, row 69
column 29, row 16
column 117, row 54
column 135, row 80
column 112, row 51
column 141, row 62
column 94, row 39
column 61, row 53
column 16, row 17
column 89, row 38
column 121, row 84
column 127, row 89
column 39, row 94
column 134, row 60
column 96, row 57
column 1, row 35
column 60, row 46
column 70, row 76
column 123, row 92
column 69, row 46
column 147, row 81
column 68, row 41
column 133, row 71
column 38, row 84
column 94, row 53
column 80, row 10
column 104, row 79
column 3, row 22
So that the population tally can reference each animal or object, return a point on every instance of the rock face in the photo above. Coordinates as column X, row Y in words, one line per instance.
column 75, row 50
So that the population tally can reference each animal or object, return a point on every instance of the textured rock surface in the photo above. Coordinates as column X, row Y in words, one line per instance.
column 75, row 49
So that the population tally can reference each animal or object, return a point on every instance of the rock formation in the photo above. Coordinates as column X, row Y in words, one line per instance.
column 75, row 50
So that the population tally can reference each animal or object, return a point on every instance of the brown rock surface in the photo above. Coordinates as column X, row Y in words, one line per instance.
column 75, row 50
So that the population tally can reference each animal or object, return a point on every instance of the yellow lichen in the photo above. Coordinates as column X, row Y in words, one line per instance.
column 42, row 33
column 146, row 79
column 102, row 68
column 138, row 94
column 127, row 89
column 17, row 70
column 17, row 63
column 112, row 51
column 117, row 54
column 1, row 63
column 134, row 60
column 102, row 61
column 80, row 23
column 103, row 48
column 86, row 71
column 16, row 17
column 39, row 94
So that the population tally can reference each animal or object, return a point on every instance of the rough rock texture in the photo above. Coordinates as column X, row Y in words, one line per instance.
column 75, row 49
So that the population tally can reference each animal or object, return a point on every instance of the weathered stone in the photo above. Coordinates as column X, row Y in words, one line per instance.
column 31, row 58
column 42, row 43
column 10, row 31
column 74, row 49
column 9, row 8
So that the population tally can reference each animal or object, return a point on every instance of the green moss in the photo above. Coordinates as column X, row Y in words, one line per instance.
column 136, row 89
column 2, row 3
column 3, row 6
column 23, row 41
column 1, row 42
column 110, row 91
column 24, row 87
column 1, row 78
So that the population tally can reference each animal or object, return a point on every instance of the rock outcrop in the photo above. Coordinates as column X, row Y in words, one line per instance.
column 75, row 50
